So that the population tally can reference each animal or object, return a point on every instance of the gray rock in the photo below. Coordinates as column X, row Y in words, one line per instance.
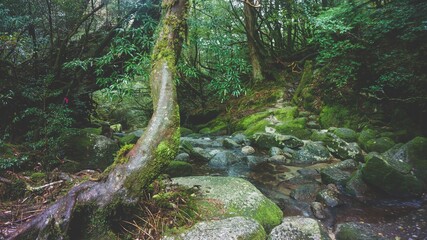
column 318, row 210
column 279, row 159
column 223, row 159
column 328, row 197
column 308, row 172
column 348, row 165
column 305, row 192
column 248, row 150
column 268, row 140
column 311, row 153
column 230, row 143
column 235, row 228
column 355, row 231
column 200, row 154
column 356, row 187
column 276, row 151
column 334, row 175
column 184, row 157
column 240, row 138
column 198, row 142
column 254, row 161
column 299, row 228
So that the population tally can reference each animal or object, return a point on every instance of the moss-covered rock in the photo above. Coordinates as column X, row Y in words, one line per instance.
column 214, row 127
column 356, row 187
column 338, row 116
column 393, row 177
column 227, row 196
column 355, row 231
column 295, row 127
column 321, row 135
column 185, row 131
column 347, row 134
column 179, row 169
column 334, row 175
column 311, row 153
column 364, row 136
column 379, row 145
column 342, row 149
column 128, row 139
column 268, row 140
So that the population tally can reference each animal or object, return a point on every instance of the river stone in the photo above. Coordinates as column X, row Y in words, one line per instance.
column 223, row 159
column 200, row 154
column 254, row 161
column 348, row 165
column 229, row 196
column 380, row 145
column 342, row 149
column 299, row 228
column 268, row 140
column 318, row 210
column 248, row 150
column 229, row 143
column 305, row 192
column 391, row 176
column 240, row 138
column 311, row 153
column 355, row 231
column 346, row 134
column 334, row 175
column 276, row 151
column 184, row 157
column 279, row 159
column 198, row 142
column 328, row 197
column 235, row 228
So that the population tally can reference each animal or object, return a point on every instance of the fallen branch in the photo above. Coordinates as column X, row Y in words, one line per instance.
column 33, row 189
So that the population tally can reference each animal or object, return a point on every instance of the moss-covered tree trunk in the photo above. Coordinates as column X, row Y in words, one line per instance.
column 124, row 184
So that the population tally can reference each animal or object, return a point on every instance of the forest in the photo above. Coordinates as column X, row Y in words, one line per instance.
column 220, row 119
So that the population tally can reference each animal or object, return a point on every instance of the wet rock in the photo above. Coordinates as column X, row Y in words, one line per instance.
column 349, row 165
column 240, row 138
column 276, row 151
column 308, row 172
column 248, row 150
column 230, row 228
column 380, row 145
column 346, row 134
column 234, row 197
column 238, row 170
column 355, row 231
column 279, row 159
column 268, row 140
column 254, row 161
column 223, row 159
column 305, row 192
column 364, row 136
column 334, row 176
column 184, row 157
column 230, row 143
column 299, row 228
column 329, row 197
column 342, row 149
column 197, row 142
column 318, row 210
column 200, row 154
column 311, row 153
column 392, row 176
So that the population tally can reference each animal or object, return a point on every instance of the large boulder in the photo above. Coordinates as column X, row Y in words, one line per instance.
column 379, row 145
column 179, row 169
column 229, row 196
column 355, row 231
column 356, row 187
column 268, row 140
column 299, row 228
column 334, row 175
column 392, row 176
column 364, row 136
column 311, row 153
column 346, row 134
column 230, row 228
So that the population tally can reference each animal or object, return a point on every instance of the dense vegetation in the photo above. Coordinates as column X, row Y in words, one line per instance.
column 69, row 65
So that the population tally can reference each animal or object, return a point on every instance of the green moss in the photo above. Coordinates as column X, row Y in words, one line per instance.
column 295, row 127
column 38, row 176
column 185, row 131
column 164, row 153
column 364, row 136
column 179, row 169
column 247, row 121
column 379, row 145
column 319, row 136
column 303, row 93
column 286, row 114
column 348, row 135
column 128, row 139
column 215, row 126
column 256, row 127
column 339, row 116
column 268, row 215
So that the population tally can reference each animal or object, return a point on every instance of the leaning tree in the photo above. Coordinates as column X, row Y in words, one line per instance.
column 123, row 185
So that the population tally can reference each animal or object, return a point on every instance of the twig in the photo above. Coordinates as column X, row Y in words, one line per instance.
column 44, row 186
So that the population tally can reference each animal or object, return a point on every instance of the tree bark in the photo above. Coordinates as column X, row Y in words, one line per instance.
column 124, row 183
column 253, row 40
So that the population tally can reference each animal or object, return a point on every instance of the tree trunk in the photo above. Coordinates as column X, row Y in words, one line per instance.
column 123, row 184
column 253, row 39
